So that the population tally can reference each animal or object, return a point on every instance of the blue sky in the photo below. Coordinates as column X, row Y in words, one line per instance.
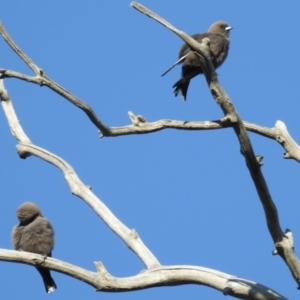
column 188, row 194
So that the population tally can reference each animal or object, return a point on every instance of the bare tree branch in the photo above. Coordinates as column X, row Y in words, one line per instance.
column 159, row 276
column 19, row 52
column 26, row 148
column 283, row 242
column 278, row 133
column 42, row 79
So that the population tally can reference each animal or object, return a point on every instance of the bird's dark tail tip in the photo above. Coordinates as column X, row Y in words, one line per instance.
column 177, row 92
column 181, row 87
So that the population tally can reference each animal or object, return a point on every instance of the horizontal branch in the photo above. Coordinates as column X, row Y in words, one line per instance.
column 159, row 276
column 140, row 125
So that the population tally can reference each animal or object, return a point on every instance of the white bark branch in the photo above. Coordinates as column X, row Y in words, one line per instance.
column 42, row 79
column 102, row 280
column 26, row 148
column 278, row 133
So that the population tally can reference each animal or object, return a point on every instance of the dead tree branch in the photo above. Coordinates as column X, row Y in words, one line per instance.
column 26, row 148
column 42, row 79
column 278, row 133
column 102, row 280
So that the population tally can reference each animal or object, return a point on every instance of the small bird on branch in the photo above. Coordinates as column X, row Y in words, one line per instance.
column 218, row 34
column 34, row 234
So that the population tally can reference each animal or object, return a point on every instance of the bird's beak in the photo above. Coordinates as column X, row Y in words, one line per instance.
column 228, row 28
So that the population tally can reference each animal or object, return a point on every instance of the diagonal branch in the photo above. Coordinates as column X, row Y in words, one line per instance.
column 283, row 241
column 18, row 51
column 26, row 148
column 42, row 79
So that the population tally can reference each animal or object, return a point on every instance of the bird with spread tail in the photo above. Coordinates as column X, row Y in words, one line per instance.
column 34, row 234
column 218, row 34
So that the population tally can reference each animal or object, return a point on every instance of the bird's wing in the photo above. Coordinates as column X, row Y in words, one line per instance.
column 185, row 50
column 181, row 59
column 219, row 45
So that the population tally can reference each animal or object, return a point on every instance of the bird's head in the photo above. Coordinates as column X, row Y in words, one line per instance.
column 27, row 212
column 220, row 27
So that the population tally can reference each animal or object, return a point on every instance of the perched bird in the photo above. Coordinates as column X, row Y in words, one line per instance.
column 218, row 34
column 34, row 234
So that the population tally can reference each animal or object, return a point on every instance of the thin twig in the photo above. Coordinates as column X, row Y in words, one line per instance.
column 19, row 52
column 42, row 79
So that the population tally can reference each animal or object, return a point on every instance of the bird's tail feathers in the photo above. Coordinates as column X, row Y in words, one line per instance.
column 49, row 283
column 181, row 88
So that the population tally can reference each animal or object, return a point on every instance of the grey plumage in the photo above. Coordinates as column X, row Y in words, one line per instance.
column 218, row 34
column 34, row 234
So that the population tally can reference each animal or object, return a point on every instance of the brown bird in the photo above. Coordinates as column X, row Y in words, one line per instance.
column 34, row 234
column 218, row 34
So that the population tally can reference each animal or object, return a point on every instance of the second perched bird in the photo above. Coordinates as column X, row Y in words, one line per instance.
column 34, row 234
column 218, row 34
